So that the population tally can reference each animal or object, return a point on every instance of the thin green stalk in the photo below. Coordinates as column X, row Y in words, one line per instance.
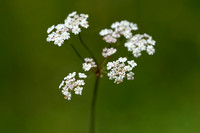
column 77, row 52
column 86, row 47
column 92, row 113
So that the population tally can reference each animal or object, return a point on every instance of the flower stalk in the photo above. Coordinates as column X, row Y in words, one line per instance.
column 86, row 47
column 117, row 70
column 93, row 104
column 77, row 53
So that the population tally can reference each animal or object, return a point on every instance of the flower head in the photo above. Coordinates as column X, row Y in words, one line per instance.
column 71, row 83
column 139, row 43
column 108, row 52
column 88, row 64
column 73, row 23
column 123, row 28
column 121, row 69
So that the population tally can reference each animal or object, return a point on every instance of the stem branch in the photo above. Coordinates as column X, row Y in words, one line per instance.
column 77, row 52
column 86, row 47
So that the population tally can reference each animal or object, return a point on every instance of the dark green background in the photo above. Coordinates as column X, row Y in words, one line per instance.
column 163, row 98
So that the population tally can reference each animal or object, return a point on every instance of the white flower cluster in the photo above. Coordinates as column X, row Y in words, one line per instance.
column 73, row 23
column 108, row 52
column 123, row 28
column 88, row 64
column 139, row 43
column 121, row 69
column 70, row 83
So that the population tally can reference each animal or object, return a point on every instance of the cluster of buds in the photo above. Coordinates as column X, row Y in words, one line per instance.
column 72, row 23
column 123, row 28
column 71, row 83
column 121, row 69
column 88, row 64
column 108, row 52
column 139, row 43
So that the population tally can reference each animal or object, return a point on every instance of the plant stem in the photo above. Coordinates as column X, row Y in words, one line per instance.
column 92, row 113
column 86, row 47
column 77, row 52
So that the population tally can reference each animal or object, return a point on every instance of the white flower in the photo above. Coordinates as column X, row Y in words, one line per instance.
column 122, row 59
column 84, row 24
column 87, row 66
column 70, row 76
column 73, row 23
column 110, row 39
column 59, row 26
column 82, row 75
column 78, row 90
column 61, row 84
column 88, row 60
column 105, row 32
column 65, row 35
column 120, row 69
column 128, row 68
column 89, row 63
column 115, row 25
column 108, row 52
column 76, row 30
column 137, row 52
column 72, row 14
column 139, row 43
column 118, row 80
column 132, row 63
column 67, row 95
column 80, row 82
column 59, row 41
column 50, row 29
column 150, row 50
column 123, row 28
column 71, row 83
column 130, row 76
column 110, row 65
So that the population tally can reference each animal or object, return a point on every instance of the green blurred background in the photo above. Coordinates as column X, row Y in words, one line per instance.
column 163, row 98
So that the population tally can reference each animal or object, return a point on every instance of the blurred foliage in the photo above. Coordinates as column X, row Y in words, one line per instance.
column 164, row 97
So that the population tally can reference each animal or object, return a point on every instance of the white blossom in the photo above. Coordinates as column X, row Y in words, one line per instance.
column 67, row 95
column 108, row 52
column 139, row 43
column 73, row 23
column 59, row 26
column 110, row 39
column 130, row 76
column 110, row 65
column 78, row 90
column 105, row 32
column 121, row 69
column 76, row 30
column 132, row 63
column 88, row 64
column 123, row 28
column 150, row 50
column 82, row 75
column 71, row 83
column 50, row 29
column 122, row 59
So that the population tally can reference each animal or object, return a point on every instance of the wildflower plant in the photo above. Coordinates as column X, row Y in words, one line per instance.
column 116, row 70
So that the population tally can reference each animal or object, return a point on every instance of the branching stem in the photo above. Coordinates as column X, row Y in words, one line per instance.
column 77, row 52
column 86, row 47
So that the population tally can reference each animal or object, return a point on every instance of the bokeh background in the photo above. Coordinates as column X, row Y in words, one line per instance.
column 163, row 98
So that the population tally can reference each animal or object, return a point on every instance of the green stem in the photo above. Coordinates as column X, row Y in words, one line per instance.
column 86, row 47
column 77, row 52
column 92, row 113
